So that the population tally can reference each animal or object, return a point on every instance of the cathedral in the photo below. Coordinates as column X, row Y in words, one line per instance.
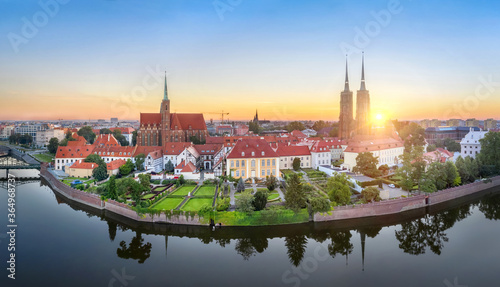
column 158, row 129
column 348, row 127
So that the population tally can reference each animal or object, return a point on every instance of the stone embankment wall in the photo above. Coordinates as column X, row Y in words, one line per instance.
column 399, row 205
column 122, row 209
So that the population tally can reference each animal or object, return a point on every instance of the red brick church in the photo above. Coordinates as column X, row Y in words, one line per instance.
column 157, row 129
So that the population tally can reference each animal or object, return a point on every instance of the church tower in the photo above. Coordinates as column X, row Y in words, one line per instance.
column 363, row 125
column 165, row 116
column 346, row 109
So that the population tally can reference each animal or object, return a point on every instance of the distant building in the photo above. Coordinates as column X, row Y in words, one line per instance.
column 471, row 123
column 101, row 121
column 439, row 155
column 430, row 123
column 114, row 120
column 31, row 130
column 453, row 122
column 7, row 131
column 309, row 132
column 43, row 137
column 224, row 129
column 241, row 130
column 490, row 124
column 81, row 169
column 435, row 134
column 470, row 145
column 387, row 150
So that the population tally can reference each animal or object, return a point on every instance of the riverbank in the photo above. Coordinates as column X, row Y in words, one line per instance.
column 384, row 208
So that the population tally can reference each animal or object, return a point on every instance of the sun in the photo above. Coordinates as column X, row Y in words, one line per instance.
column 379, row 117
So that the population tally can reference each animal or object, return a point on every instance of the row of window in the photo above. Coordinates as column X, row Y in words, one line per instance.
column 263, row 163
column 263, row 173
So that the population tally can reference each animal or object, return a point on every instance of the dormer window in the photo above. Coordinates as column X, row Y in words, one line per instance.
column 242, row 153
column 262, row 153
column 253, row 153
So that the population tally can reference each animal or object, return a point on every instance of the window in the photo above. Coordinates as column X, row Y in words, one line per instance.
column 274, row 162
column 268, row 172
column 232, row 163
column 253, row 153
column 262, row 153
column 237, row 163
column 253, row 163
column 242, row 153
column 263, row 162
column 263, row 173
column 242, row 173
column 237, row 173
column 268, row 162
column 242, row 163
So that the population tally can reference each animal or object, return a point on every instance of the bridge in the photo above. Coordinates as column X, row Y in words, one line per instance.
column 16, row 160
column 5, row 185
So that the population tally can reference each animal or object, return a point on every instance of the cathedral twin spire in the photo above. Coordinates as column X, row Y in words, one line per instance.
column 165, row 93
column 363, row 87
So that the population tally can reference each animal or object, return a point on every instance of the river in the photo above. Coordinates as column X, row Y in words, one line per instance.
column 58, row 244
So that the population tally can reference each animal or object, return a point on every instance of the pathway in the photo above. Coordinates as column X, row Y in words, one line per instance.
column 306, row 178
column 232, row 190
column 282, row 196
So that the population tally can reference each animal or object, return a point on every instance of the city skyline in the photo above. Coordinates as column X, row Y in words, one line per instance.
column 286, row 59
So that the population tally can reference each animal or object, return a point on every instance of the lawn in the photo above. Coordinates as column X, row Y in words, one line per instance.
column 168, row 203
column 44, row 157
column 194, row 204
column 68, row 180
column 208, row 190
column 264, row 217
column 184, row 190
column 148, row 196
column 273, row 196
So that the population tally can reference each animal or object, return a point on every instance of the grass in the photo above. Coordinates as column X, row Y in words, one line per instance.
column 168, row 203
column 265, row 217
column 249, row 190
column 194, row 204
column 68, row 180
column 44, row 157
column 184, row 190
column 208, row 190
column 273, row 196
column 148, row 196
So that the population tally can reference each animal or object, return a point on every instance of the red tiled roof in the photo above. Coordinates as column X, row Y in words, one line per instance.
column 74, row 151
column 208, row 149
column 365, row 143
column 444, row 151
column 187, row 121
column 84, row 165
column 321, row 146
column 150, row 118
column 106, row 140
column 245, row 148
column 115, row 151
column 116, row 164
column 175, row 148
column 189, row 167
column 293, row 150
column 215, row 140
column 154, row 150
column 76, row 143
column 299, row 134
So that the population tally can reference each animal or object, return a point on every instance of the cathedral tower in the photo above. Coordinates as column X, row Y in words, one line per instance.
column 346, row 109
column 165, row 115
column 363, row 125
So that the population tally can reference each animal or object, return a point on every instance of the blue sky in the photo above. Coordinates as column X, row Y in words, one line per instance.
column 284, row 58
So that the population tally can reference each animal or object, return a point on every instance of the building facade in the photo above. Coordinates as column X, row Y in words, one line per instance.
column 252, row 158
column 470, row 145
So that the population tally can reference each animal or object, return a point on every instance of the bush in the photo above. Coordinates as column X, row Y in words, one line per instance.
column 260, row 200
column 370, row 194
column 223, row 204
column 205, row 209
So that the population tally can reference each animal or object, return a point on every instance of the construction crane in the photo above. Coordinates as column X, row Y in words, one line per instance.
column 221, row 114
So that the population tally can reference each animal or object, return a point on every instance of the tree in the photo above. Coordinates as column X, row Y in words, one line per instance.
column 127, row 167
column 366, row 164
column 370, row 194
column 67, row 138
column 87, row 133
column 431, row 147
column 53, row 145
column 254, row 127
column 318, row 204
column 334, row 132
column 452, row 176
column 244, row 203
column 384, row 169
column 134, row 138
column 436, row 173
column 112, row 188
column 295, row 198
column 240, row 187
column 139, row 161
column 271, row 182
column 296, row 164
column 462, row 169
column 472, row 166
column 490, row 150
column 100, row 173
column 169, row 166
column 260, row 200
column 120, row 138
column 145, row 180
column 181, row 179
column 105, row 131
column 318, row 125
column 338, row 189
column 413, row 135
column 295, row 126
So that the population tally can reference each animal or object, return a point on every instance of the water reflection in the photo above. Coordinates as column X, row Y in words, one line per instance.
column 415, row 236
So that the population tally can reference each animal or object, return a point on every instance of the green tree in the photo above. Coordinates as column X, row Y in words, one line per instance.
column 427, row 185
column 145, row 180
column 112, row 188
column 169, row 166
column 295, row 126
column 254, row 127
column 318, row 125
column 472, row 166
column 431, row 147
column 134, row 138
column 366, row 164
column 370, row 194
column 462, row 170
column 139, row 161
column 260, row 200
column 105, row 131
column 87, row 133
column 127, row 167
column 181, row 179
column 490, row 150
column 295, row 198
column 120, row 138
column 67, row 138
column 100, row 173
column 334, row 132
column 318, row 204
column 413, row 135
column 436, row 173
column 53, row 145
column 240, row 187
column 271, row 182
column 244, row 203
column 452, row 176
column 338, row 189
column 296, row 164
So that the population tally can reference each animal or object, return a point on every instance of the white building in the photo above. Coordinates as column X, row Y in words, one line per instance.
column 321, row 154
column 43, row 137
column 6, row 132
column 387, row 150
column 174, row 152
column 288, row 153
column 309, row 132
column 470, row 145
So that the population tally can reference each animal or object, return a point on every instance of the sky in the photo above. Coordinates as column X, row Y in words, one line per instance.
column 69, row 59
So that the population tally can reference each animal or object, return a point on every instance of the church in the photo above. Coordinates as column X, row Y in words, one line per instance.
column 158, row 129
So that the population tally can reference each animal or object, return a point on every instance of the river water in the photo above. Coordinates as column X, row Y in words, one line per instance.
column 58, row 244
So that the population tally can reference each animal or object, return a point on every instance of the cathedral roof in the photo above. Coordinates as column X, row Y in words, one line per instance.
column 187, row 121
column 150, row 118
